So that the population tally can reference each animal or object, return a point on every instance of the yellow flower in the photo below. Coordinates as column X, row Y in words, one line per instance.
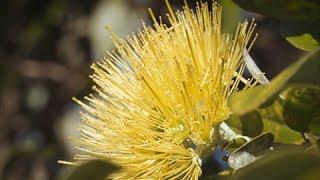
column 162, row 94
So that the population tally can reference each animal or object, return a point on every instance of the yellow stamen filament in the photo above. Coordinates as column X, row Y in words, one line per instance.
column 163, row 87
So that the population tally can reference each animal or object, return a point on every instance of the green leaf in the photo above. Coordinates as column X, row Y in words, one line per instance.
column 304, row 35
column 257, row 145
column 247, row 153
column 232, row 15
column 288, row 10
column 273, row 122
column 234, row 122
column 282, row 165
column 248, row 125
column 252, row 124
column 95, row 169
column 305, row 42
column 299, row 19
column 305, row 72
column 274, row 112
column 282, row 133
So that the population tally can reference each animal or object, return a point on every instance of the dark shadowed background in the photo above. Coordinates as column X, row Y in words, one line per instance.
column 46, row 48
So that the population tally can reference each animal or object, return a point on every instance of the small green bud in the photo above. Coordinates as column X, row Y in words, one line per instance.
column 302, row 108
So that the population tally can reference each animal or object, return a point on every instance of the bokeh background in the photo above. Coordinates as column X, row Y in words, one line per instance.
column 46, row 48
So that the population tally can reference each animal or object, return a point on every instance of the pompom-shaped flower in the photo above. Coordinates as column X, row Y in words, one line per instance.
column 162, row 93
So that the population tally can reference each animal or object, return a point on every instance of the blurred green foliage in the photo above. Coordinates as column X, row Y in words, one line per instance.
column 299, row 19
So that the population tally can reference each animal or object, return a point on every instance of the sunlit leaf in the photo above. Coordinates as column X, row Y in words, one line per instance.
column 305, row 71
column 274, row 122
column 304, row 42
column 304, row 36
column 232, row 15
column 274, row 112
column 234, row 122
column 282, row 133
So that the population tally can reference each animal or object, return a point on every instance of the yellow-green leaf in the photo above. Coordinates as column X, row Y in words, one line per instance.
column 303, row 35
column 304, row 41
column 305, row 72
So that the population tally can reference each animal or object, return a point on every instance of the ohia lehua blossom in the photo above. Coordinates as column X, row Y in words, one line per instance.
column 161, row 95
